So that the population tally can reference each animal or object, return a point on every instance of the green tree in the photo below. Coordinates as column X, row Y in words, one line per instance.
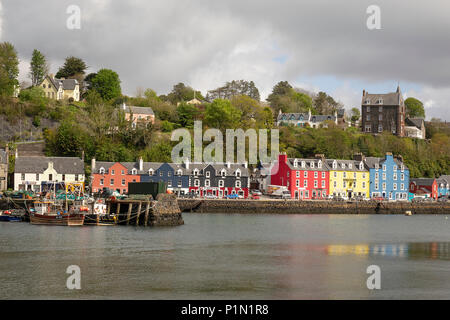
column 107, row 84
column 221, row 114
column 9, row 68
column 38, row 68
column 72, row 66
column 181, row 92
column 414, row 108
column 187, row 114
column 356, row 114
column 233, row 89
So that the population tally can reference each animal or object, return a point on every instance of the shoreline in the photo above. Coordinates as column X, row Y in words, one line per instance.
column 309, row 207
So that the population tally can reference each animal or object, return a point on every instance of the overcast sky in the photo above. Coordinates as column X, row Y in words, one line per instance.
column 314, row 44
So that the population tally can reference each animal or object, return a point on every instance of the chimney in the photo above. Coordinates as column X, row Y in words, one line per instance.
column 124, row 106
column 17, row 153
column 400, row 157
column 82, row 155
column 245, row 164
column 186, row 163
column 282, row 157
column 359, row 157
column 228, row 164
column 93, row 164
column 51, row 75
column 141, row 164
column 320, row 156
column 364, row 92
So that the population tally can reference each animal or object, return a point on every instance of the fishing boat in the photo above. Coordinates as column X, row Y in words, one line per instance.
column 6, row 216
column 52, row 213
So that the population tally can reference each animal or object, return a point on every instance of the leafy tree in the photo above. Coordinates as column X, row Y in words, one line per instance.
column 234, row 88
column 107, row 84
column 9, row 68
column 181, row 92
column 38, row 68
column 325, row 104
column 221, row 114
column 187, row 113
column 72, row 66
column 414, row 108
column 356, row 114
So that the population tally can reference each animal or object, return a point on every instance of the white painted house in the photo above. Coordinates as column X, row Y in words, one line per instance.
column 30, row 173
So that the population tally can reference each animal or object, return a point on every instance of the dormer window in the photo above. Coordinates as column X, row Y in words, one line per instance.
column 195, row 172
column 334, row 165
column 343, row 166
column 295, row 163
column 312, row 164
column 361, row 166
column 102, row 170
column 238, row 173
column 380, row 101
column 150, row 172
column 134, row 171
column 208, row 174
column 303, row 164
column 350, row 165
column 319, row 164
column 377, row 166
column 179, row 172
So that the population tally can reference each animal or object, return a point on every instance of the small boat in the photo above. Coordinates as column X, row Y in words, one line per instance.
column 50, row 213
column 6, row 216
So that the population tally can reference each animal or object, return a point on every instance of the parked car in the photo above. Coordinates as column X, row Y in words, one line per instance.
column 210, row 196
column 191, row 195
column 232, row 196
column 255, row 196
column 256, row 192
column 286, row 194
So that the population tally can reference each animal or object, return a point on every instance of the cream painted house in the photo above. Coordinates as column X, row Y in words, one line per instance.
column 61, row 89
column 4, row 169
column 31, row 173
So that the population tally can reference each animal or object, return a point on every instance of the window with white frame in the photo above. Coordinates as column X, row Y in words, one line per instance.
column 134, row 171
column 208, row 174
column 207, row 183
column 297, row 183
column 316, row 183
column 323, row 174
column 150, row 172
column 316, row 174
column 297, row 174
column 305, row 183
column 323, row 183
column 221, row 183
column 238, row 183
column 102, row 170
column 305, row 174
column 196, row 183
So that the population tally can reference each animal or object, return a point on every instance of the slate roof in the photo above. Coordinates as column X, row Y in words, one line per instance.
column 322, row 118
column 354, row 163
column 62, row 165
column 370, row 162
column 422, row 181
column 156, row 165
column 293, row 117
column 446, row 178
column 3, row 157
column 389, row 99
column 415, row 122
column 307, row 166
column 138, row 110
column 67, row 84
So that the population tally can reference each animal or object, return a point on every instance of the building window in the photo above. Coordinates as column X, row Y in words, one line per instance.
column 395, row 176
column 169, row 183
column 316, row 174
column 150, row 172
column 113, row 172
column 384, row 167
column 368, row 107
column 364, row 184
column 323, row 183
column 297, row 174
column 221, row 183
column 305, row 174
column 160, row 173
column 207, row 183
column 345, row 174
column 384, row 176
column 197, row 183
column 315, row 183
column 238, row 173
column 402, row 186
column 403, row 176
column 376, row 185
column 102, row 170
column 380, row 117
column 377, row 175
column 395, row 186
column 380, row 128
column 384, row 185
column 305, row 183
column 238, row 184
column 368, row 117
column 179, row 183
column 335, row 184
column 50, row 177
column 169, row 174
column 335, row 174
column 112, row 182
column 297, row 183
column 380, row 109
column 368, row 128
column 323, row 175
column 76, row 177
column 101, row 182
column 37, row 177
column 123, row 172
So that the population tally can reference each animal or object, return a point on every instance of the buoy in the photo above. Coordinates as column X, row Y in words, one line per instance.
column 408, row 213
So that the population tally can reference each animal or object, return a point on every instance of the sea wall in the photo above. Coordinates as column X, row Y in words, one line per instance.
column 311, row 207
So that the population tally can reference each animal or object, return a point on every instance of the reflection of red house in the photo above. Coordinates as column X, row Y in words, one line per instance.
column 112, row 175
column 424, row 186
column 304, row 178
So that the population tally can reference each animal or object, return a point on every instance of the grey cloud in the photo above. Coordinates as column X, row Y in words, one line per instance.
column 158, row 43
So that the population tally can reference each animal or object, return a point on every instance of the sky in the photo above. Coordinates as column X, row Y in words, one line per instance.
column 314, row 44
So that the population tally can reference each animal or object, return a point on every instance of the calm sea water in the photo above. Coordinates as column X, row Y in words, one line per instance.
column 232, row 256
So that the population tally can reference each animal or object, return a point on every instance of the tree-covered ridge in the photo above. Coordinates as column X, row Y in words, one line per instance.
column 97, row 125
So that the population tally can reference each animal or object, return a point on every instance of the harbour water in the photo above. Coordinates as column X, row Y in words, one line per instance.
column 232, row 256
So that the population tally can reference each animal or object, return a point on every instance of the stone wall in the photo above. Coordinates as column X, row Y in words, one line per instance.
column 310, row 207
column 166, row 211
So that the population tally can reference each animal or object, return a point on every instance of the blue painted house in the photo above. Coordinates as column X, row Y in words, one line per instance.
column 174, row 175
column 389, row 177
column 443, row 185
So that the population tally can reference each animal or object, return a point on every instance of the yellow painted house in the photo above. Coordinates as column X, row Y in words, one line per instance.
column 349, row 178
column 60, row 89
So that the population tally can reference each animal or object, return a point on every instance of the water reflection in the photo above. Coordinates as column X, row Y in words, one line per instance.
column 415, row 250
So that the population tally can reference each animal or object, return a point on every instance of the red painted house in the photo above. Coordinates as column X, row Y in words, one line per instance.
column 424, row 186
column 114, row 175
column 305, row 178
